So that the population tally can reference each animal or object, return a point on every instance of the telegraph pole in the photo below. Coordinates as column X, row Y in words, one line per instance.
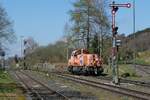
column 134, row 34
column 115, row 71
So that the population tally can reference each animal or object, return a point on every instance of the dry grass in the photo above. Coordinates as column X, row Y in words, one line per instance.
column 143, row 58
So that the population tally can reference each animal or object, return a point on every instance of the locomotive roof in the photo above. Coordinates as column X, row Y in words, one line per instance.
column 78, row 51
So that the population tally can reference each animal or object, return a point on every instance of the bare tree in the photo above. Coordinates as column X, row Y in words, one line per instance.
column 30, row 45
column 6, row 28
column 90, row 21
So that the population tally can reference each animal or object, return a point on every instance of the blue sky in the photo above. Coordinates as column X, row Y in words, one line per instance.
column 44, row 20
column 125, row 20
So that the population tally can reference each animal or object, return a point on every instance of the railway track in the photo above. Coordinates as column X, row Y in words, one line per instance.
column 144, row 68
column 120, row 90
column 122, row 80
column 124, row 91
column 140, row 83
column 38, row 90
column 135, row 82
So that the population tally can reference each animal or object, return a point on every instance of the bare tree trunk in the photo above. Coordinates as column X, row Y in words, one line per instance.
column 101, row 42
column 88, row 30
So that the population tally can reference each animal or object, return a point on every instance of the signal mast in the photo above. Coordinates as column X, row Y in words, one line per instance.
column 115, row 43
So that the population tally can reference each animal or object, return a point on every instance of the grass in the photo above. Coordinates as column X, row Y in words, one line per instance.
column 5, row 82
column 143, row 58
column 127, row 69
column 124, row 71
column 8, row 88
column 5, row 78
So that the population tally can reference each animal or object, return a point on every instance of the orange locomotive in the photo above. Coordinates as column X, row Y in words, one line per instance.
column 82, row 62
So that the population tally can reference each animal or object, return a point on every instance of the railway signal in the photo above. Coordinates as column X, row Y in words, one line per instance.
column 115, row 43
column 16, row 59
column 25, row 42
column 127, row 5
column 2, row 54
column 115, row 31
column 114, row 10
column 24, row 53
column 118, row 42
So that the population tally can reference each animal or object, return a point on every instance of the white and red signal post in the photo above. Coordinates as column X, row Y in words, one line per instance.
column 114, row 9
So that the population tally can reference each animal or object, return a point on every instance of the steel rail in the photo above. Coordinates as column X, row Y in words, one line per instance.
column 135, row 82
column 28, row 88
column 122, row 80
column 45, row 86
column 144, row 69
column 113, row 88
column 140, row 83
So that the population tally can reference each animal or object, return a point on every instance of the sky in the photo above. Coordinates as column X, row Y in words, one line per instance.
column 44, row 20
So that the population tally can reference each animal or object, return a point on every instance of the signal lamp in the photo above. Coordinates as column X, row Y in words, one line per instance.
column 115, row 30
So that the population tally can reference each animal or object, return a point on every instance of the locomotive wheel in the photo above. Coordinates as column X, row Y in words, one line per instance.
column 90, row 71
column 99, row 71
column 76, row 70
column 95, row 71
column 79, row 70
column 84, row 71
column 70, row 69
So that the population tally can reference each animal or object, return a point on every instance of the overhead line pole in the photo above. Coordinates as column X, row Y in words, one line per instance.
column 134, row 33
